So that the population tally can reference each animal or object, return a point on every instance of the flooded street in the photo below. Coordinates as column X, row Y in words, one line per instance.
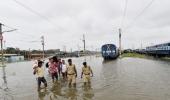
column 121, row 79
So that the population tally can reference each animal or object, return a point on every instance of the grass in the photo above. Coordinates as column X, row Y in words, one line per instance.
column 165, row 58
column 133, row 55
column 136, row 55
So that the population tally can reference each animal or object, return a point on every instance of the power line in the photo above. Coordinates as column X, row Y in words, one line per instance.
column 27, row 35
column 36, row 13
column 140, row 14
column 9, row 27
column 30, row 41
column 124, row 12
column 23, row 34
column 33, row 43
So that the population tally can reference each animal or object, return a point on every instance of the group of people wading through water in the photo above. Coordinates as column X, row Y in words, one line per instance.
column 57, row 68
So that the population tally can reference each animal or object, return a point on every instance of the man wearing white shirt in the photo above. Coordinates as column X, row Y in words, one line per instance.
column 64, row 70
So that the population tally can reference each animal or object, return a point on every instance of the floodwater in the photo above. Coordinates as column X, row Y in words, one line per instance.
column 121, row 79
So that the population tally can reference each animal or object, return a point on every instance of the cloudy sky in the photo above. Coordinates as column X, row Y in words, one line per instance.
column 63, row 22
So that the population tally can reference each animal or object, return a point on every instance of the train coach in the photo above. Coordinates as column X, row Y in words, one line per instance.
column 159, row 50
column 109, row 51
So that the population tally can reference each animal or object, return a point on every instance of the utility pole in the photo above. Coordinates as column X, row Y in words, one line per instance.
column 64, row 48
column 120, row 35
column 29, row 54
column 4, row 47
column 42, row 41
column 2, row 55
column 2, row 58
column 78, row 47
column 84, row 42
column 78, row 50
column 71, row 50
column 1, row 39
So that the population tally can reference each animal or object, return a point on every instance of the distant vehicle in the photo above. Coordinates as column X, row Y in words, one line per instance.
column 109, row 51
column 127, row 51
column 159, row 50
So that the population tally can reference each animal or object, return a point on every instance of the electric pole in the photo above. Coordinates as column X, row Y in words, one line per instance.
column 2, row 58
column 71, row 50
column 1, row 39
column 64, row 48
column 29, row 54
column 42, row 40
column 2, row 55
column 78, row 47
column 84, row 42
column 141, row 46
column 4, row 47
column 120, row 48
column 78, row 50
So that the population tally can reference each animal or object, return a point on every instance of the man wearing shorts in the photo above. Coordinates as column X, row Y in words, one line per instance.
column 86, row 72
column 39, row 71
column 71, row 73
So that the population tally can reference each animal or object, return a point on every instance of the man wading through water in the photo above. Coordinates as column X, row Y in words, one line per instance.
column 86, row 72
column 63, row 70
column 53, row 69
column 71, row 73
column 39, row 71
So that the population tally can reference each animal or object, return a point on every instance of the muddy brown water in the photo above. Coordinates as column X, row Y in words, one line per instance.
column 121, row 79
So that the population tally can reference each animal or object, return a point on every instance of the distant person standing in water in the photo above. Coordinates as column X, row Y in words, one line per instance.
column 39, row 71
column 59, row 66
column 71, row 73
column 64, row 70
column 86, row 72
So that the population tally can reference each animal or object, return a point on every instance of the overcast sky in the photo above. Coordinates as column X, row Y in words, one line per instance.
column 63, row 23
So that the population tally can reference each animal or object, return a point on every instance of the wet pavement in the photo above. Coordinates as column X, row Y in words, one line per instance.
column 121, row 79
